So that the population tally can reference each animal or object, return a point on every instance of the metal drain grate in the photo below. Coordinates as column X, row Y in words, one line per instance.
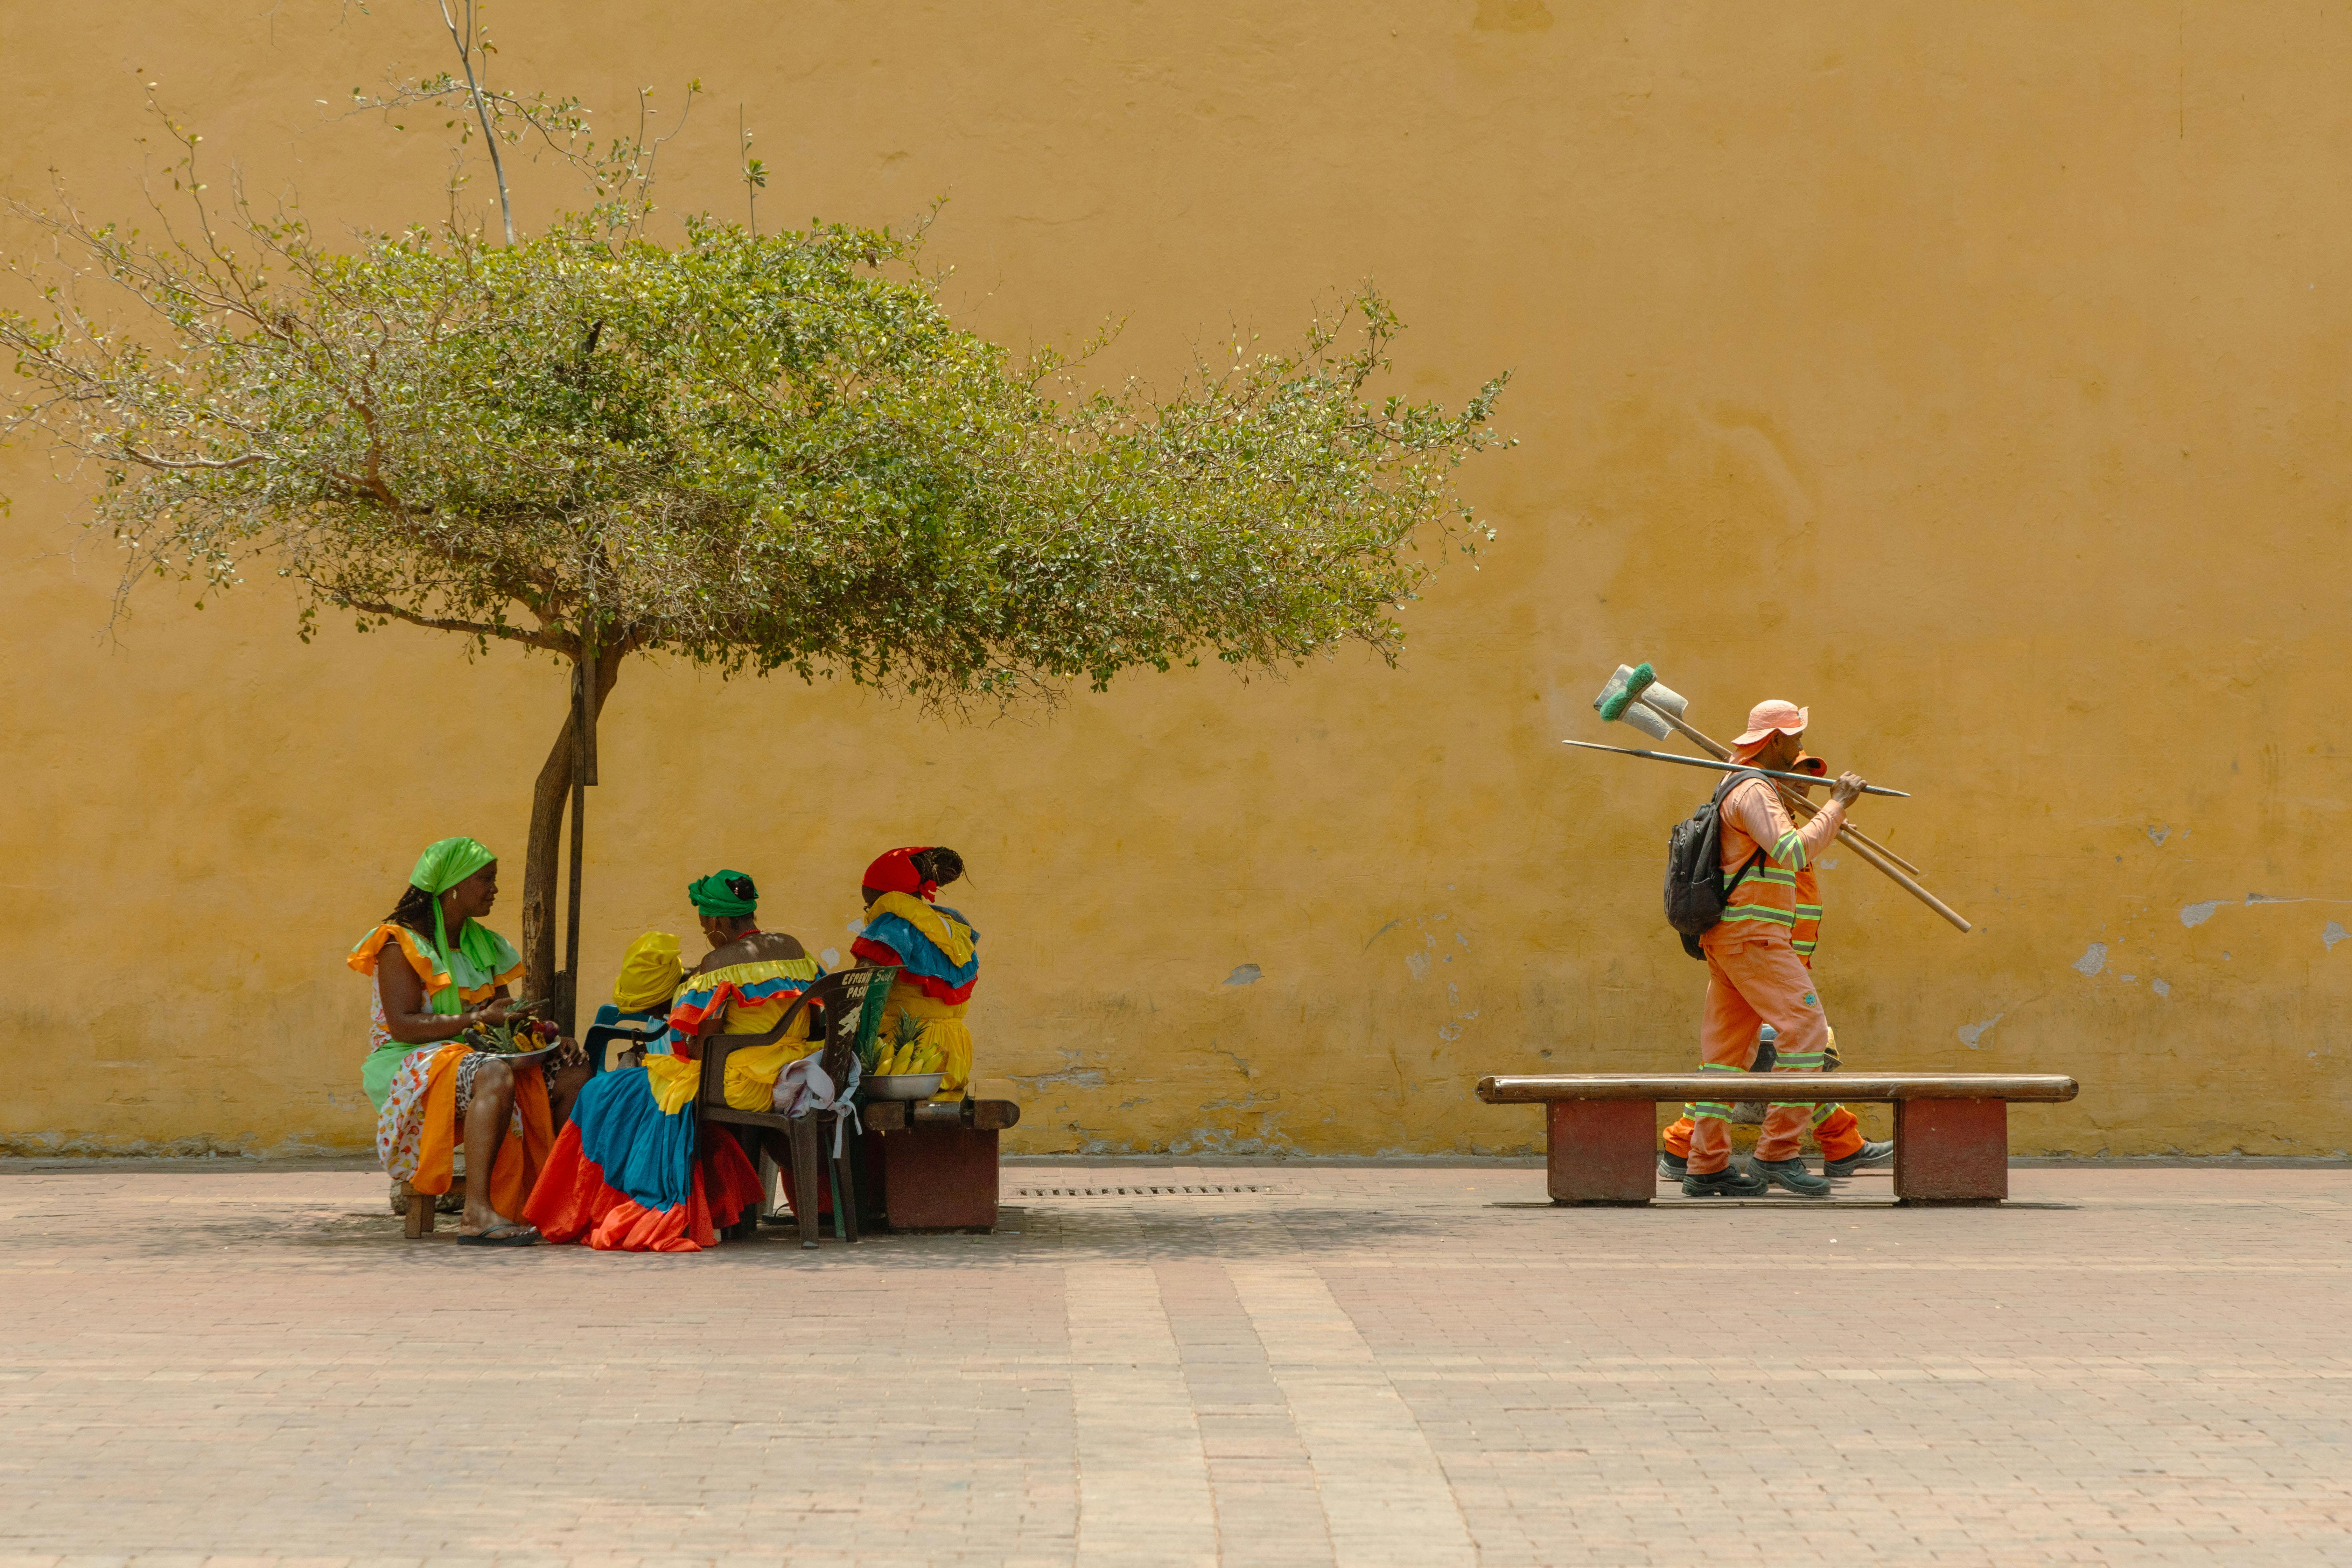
column 1171, row 1192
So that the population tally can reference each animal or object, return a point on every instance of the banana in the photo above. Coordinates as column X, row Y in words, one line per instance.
column 909, row 1057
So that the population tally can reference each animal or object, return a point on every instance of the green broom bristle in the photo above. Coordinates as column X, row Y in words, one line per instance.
column 1614, row 707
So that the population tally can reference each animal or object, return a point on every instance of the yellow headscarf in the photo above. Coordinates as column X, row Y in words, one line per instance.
column 650, row 974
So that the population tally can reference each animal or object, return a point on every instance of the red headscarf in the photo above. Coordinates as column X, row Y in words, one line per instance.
column 895, row 873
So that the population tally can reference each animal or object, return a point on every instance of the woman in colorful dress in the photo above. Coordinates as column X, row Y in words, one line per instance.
column 626, row 1175
column 936, row 948
column 445, row 973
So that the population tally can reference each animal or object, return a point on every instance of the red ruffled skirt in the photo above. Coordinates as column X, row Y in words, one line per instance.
column 574, row 1201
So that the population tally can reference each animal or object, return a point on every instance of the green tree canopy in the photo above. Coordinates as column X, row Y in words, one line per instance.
column 755, row 452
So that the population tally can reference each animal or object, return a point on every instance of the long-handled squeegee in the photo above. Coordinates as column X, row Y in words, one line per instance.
column 1727, row 767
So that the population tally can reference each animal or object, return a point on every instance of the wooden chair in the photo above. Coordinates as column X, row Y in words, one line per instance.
column 851, row 1004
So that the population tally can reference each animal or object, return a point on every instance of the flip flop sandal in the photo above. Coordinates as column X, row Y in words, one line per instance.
column 501, row 1236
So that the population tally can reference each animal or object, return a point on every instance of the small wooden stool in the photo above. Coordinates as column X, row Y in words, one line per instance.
column 417, row 1214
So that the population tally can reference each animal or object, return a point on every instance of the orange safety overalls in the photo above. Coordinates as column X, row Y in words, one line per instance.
column 1834, row 1127
column 1754, row 975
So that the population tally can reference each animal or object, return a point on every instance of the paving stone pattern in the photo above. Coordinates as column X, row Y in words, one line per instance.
column 1379, row 1365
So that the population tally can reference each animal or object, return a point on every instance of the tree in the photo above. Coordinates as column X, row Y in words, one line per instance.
column 758, row 453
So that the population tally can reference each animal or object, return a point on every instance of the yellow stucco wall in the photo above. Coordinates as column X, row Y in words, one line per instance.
column 1977, row 375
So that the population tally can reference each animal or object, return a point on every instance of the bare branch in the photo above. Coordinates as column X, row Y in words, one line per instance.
column 465, row 46
column 552, row 644
column 151, row 461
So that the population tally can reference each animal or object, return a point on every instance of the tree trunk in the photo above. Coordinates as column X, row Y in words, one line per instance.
column 542, row 911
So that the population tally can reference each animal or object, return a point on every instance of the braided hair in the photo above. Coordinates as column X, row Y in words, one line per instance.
column 940, row 865
column 414, row 910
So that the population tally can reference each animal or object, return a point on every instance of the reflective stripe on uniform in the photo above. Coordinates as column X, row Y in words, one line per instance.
column 1767, row 895
column 1806, row 934
column 1715, row 1109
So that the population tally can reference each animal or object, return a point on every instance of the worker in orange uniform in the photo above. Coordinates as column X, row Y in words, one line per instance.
column 1844, row 1148
column 1754, row 976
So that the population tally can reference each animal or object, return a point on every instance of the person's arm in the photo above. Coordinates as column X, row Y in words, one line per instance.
column 1755, row 808
column 408, row 1016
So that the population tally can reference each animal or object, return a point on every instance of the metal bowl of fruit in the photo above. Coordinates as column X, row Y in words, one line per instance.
column 524, row 1041
column 904, row 1086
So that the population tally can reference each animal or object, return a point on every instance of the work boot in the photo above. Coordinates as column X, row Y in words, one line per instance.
column 1792, row 1173
column 1868, row 1154
column 1672, row 1166
column 1731, row 1182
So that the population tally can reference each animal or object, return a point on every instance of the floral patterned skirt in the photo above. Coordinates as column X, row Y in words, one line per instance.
column 400, row 1126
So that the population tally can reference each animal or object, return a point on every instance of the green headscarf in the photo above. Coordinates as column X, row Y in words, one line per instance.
column 441, row 867
column 724, row 894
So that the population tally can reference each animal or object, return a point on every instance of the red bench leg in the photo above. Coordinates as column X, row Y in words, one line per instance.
column 1602, row 1151
column 1951, row 1151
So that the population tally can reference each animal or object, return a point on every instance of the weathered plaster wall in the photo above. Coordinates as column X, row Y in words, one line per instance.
column 1975, row 376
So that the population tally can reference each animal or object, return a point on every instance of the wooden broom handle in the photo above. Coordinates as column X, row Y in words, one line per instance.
column 1882, row 860
column 1851, row 834
column 1854, row 835
column 1908, row 885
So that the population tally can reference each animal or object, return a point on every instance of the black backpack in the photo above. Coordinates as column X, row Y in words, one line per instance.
column 1696, row 890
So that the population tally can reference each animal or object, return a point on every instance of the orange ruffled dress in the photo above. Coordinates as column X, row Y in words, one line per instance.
column 416, row 1108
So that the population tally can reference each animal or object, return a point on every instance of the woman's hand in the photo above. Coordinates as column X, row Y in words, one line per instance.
column 468, row 1019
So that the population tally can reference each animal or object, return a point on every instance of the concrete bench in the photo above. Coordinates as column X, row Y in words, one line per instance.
column 1951, row 1129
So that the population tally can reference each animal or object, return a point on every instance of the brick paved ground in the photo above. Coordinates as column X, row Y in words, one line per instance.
column 1420, row 1366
